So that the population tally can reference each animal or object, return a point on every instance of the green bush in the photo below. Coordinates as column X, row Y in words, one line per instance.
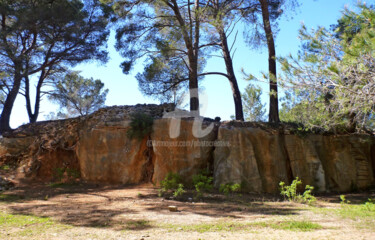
column 290, row 192
column 72, row 174
column 230, row 188
column 344, row 200
column 179, row 191
column 172, row 182
column 140, row 125
column 58, row 174
column 202, row 182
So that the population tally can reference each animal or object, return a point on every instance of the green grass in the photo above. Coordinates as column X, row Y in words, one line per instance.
column 137, row 225
column 62, row 184
column 363, row 214
column 302, row 226
column 351, row 211
column 9, row 198
column 27, row 225
column 363, row 211
column 298, row 226
column 21, row 220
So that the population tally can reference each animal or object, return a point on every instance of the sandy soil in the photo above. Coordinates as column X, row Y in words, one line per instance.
column 87, row 211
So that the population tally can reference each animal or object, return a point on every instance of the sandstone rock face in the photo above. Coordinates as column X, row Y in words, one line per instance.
column 185, row 154
column 255, row 158
column 346, row 160
column 305, row 162
column 256, row 155
column 260, row 159
column 106, row 154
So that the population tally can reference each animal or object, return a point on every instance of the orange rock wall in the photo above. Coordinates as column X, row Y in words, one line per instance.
column 256, row 155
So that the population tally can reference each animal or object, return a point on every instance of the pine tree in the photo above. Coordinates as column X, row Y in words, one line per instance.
column 78, row 96
column 37, row 38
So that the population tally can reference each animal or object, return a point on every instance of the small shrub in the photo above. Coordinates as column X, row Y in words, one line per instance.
column 235, row 187
column 230, row 188
column 73, row 173
column 171, row 182
column 179, row 191
column 202, row 183
column 290, row 192
column 140, row 125
column 58, row 174
column 343, row 200
column 307, row 196
column 369, row 205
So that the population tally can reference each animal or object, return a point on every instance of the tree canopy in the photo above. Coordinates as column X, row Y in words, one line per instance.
column 78, row 96
column 37, row 38
column 333, row 77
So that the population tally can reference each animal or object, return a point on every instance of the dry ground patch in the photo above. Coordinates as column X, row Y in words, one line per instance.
column 84, row 211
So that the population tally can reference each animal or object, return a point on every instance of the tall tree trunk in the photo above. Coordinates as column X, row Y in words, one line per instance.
column 193, row 87
column 33, row 116
column 231, row 76
column 193, row 75
column 191, row 39
column 9, row 102
column 274, row 102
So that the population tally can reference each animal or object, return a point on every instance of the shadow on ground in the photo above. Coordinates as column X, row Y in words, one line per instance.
column 132, row 207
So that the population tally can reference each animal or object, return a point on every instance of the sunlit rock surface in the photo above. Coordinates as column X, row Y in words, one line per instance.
column 256, row 155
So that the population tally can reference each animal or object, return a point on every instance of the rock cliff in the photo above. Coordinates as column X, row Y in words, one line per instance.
column 260, row 158
column 256, row 155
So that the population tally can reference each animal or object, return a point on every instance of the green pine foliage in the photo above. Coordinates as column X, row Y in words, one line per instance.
column 254, row 110
column 78, row 96
column 140, row 125
column 331, row 81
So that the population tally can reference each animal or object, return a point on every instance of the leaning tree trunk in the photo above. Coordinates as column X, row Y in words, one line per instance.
column 9, row 102
column 231, row 76
column 274, row 102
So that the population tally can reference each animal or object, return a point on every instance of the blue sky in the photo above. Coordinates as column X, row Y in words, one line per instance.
column 123, row 89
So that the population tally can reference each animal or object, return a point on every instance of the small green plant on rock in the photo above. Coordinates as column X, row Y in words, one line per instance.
column 230, row 188
column 290, row 192
column 140, row 125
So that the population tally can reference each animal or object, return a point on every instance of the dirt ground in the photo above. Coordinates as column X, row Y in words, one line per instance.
column 87, row 211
